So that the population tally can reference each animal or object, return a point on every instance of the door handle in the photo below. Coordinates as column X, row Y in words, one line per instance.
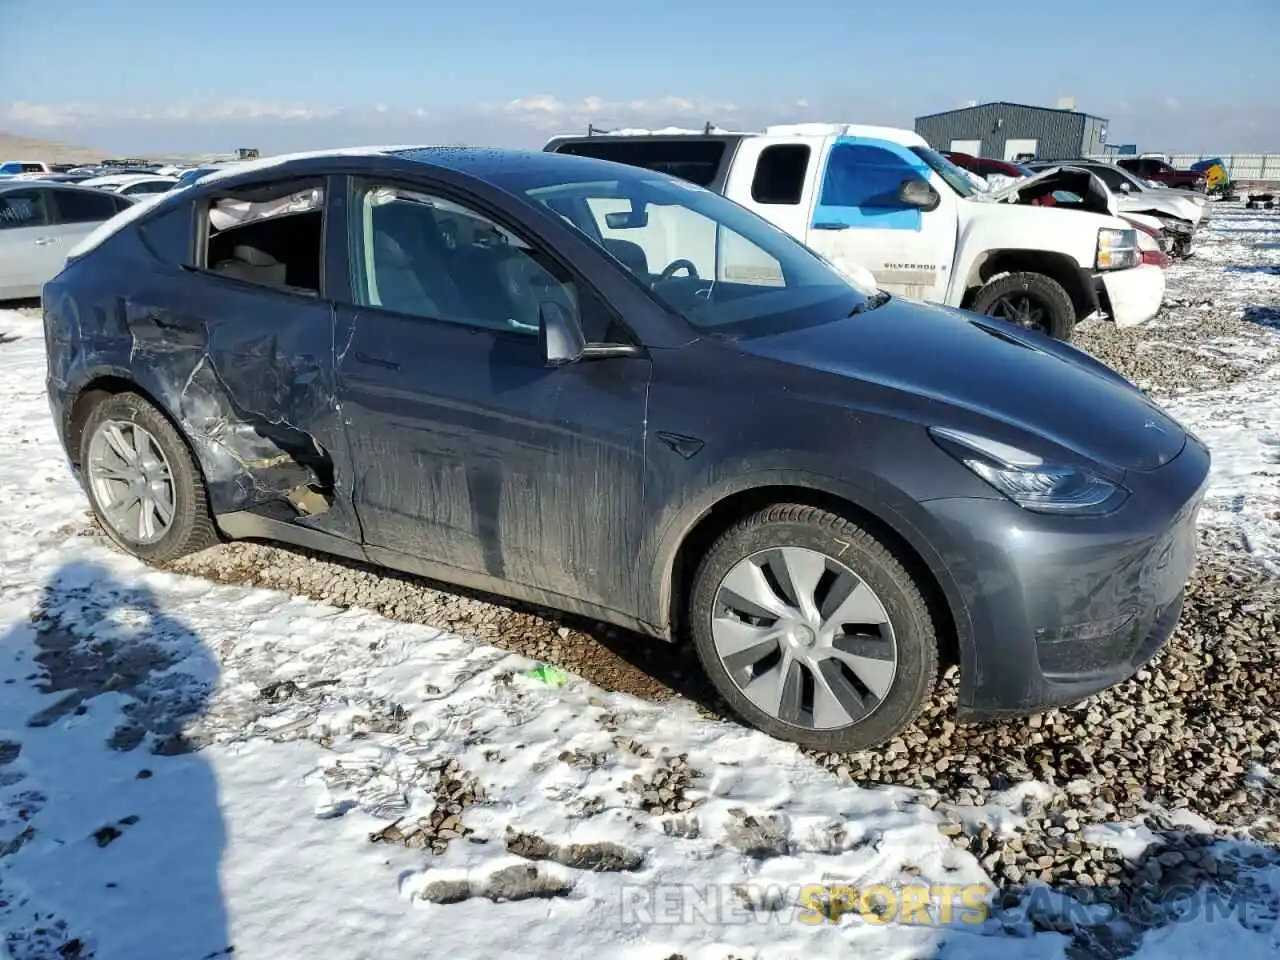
column 829, row 225
column 377, row 361
column 45, row 241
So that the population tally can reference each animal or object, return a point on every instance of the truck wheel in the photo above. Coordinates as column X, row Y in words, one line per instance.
column 143, row 484
column 812, row 630
column 1029, row 300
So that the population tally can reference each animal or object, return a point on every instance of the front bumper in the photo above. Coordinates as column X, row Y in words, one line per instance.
column 1131, row 296
column 1057, row 609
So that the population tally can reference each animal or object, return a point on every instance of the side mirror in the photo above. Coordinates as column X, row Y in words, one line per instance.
column 914, row 192
column 559, row 334
column 1125, row 187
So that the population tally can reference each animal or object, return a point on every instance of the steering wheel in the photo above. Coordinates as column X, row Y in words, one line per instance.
column 668, row 272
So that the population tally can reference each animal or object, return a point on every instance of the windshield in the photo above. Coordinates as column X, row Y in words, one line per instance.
column 716, row 264
column 947, row 170
column 10, row 168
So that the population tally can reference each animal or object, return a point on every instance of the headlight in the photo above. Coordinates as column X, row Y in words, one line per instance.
column 1030, row 481
column 1117, row 249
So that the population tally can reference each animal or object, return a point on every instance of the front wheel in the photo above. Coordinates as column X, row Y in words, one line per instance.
column 1029, row 300
column 812, row 630
column 142, row 481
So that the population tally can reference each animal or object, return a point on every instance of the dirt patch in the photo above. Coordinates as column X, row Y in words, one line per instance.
column 516, row 882
column 603, row 856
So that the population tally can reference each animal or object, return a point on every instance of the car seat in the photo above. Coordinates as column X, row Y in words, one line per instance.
column 253, row 265
column 631, row 255
column 411, row 263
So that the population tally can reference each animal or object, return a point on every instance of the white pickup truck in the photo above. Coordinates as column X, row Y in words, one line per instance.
column 12, row 168
column 1045, row 256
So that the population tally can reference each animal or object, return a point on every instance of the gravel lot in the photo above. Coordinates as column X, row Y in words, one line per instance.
column 1194, row 732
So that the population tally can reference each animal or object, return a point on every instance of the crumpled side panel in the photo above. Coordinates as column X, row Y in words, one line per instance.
column 252, row 389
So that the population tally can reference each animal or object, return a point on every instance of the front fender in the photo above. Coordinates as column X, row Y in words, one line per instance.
column 902, row 515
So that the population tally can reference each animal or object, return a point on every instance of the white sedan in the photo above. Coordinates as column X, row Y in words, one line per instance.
column 132, row 184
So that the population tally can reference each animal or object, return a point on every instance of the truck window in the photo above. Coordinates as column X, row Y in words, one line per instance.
column 861, row 175
column 694, row 159
column 780, row 174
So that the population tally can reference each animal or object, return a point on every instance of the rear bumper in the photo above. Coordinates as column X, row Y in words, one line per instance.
column 1131, row 296
column 1057, row 609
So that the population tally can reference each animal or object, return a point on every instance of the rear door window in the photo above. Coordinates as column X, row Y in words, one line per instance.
column 23, row 208
column 83, row 206
column 780, row 174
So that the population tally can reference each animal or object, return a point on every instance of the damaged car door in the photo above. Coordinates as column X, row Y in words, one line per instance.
column 470, row 453
column 248, row 335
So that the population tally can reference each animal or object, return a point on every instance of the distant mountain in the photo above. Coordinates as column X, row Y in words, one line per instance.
column 13, row 147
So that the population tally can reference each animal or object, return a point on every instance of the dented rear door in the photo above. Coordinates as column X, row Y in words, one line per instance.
column 254, row 382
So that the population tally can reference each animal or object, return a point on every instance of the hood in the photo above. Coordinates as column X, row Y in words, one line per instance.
column 1093, row 193
column 1161, row 203
column 989, row 368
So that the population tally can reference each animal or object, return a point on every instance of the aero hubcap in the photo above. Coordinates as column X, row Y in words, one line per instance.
column 804, row 638
column 131, row 481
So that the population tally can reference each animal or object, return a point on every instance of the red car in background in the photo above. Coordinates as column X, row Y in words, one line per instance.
column 985, row 166
column 1161, row 171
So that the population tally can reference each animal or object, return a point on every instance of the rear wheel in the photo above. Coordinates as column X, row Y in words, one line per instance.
column 1029, row 300
column 143, row 483
column 812, row 630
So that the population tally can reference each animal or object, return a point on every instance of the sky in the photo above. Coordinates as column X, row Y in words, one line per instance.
column 183, row 78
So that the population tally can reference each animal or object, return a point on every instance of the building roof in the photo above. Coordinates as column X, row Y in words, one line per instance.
column 1007, row 103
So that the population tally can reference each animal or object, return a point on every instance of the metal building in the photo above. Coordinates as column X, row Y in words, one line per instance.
column 1010, row 131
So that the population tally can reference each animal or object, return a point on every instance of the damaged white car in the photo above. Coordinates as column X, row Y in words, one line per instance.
column 1180, row 212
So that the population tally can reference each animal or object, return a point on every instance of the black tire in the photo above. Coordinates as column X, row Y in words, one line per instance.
column 1057, row 312
column 192, row 528
column 797, row 525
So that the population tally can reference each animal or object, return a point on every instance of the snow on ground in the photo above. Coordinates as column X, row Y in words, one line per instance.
column 186, row 768
column 318, row 727
column 1241, row 423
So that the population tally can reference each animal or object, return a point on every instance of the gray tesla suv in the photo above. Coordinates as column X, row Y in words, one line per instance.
column 611, row 392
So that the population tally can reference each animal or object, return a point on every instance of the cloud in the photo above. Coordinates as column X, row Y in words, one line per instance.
column 529, row 120
column 546, row 113
column 221, row 126
column 80, row 114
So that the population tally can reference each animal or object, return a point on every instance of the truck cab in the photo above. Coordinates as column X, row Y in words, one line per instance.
column 881, row 198
column 12, row 168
